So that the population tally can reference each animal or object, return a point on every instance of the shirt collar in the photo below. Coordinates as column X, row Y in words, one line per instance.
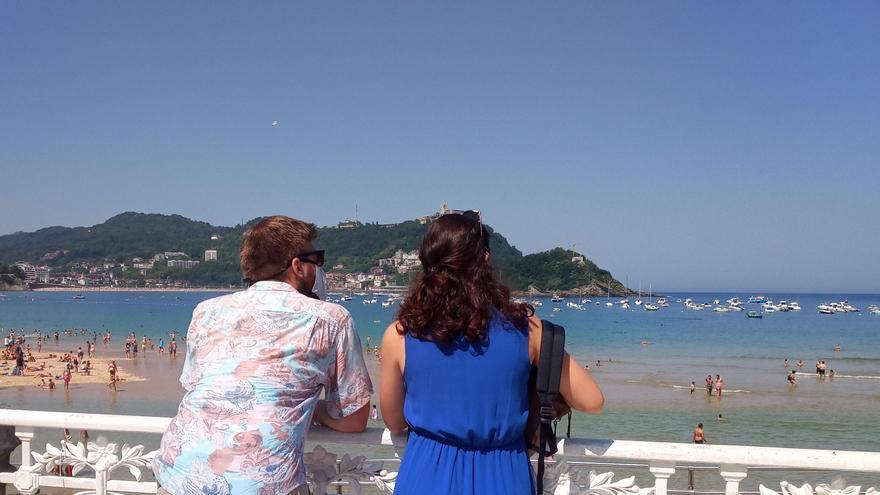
column 273, row 285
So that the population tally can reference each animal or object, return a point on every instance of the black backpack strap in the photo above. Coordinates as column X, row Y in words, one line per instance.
column 547, row 385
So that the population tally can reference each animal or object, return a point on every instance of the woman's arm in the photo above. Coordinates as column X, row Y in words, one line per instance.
column 577, row 386
column 391, row 389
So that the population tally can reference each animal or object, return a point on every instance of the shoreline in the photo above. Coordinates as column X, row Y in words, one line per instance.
column 132, row 289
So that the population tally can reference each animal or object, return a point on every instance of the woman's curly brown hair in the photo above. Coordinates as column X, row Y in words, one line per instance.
column 459, row 291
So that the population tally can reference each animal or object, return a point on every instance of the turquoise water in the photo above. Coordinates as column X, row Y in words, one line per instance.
column 646, row 386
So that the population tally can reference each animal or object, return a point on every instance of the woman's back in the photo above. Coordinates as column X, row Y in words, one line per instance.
column 467, row 407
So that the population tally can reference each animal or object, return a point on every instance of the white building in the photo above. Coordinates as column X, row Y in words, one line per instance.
column 210, row 255
column 183, row 264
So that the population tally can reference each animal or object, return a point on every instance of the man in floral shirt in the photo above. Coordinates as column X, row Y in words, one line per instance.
column 256, row 363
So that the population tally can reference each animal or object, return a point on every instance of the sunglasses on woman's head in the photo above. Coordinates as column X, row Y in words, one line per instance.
column 475, row 216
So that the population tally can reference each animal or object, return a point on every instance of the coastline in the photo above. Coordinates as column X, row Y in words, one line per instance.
column 133, row 289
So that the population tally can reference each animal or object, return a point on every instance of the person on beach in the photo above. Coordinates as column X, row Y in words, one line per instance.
column 112, row 369
column 161, row 346
column 792, row 379
column 785, row 363
column 241, row 425
column 800, row 363
column 374, row 414
column 720, row 419
column 66, row 378
column 693, row 387
column 700, row 435
column 467, row 350
column 709, row 384
column 51, row 384
column 719, row 385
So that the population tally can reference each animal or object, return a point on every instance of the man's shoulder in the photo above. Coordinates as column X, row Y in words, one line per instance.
column 332, row 312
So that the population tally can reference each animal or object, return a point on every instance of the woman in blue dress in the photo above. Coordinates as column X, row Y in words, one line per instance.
column 455, row 371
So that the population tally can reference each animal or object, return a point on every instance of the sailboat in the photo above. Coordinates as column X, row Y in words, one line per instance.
column 608, row 298
column 639, row 299
column 650, row 306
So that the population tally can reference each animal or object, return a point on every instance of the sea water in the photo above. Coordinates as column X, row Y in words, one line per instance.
column 648, row 360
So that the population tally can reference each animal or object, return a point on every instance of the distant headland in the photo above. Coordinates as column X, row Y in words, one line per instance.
column 154, row 251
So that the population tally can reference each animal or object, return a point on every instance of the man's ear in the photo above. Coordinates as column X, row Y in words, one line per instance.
column 297, row 267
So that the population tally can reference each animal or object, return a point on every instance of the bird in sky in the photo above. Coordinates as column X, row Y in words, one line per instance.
column 275, row 123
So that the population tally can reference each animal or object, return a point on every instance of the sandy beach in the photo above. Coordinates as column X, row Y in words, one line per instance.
column 46, row 365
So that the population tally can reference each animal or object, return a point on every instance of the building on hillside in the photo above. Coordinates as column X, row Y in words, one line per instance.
column 41, row 274
column 210, row 255
column 175, row 254
column 183, row 264
column 402, row 261
column 348, row 224
column 444, row 210
column 30, row 273
column 580, row 260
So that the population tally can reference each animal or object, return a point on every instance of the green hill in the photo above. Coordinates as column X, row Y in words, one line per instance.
column 356, row 248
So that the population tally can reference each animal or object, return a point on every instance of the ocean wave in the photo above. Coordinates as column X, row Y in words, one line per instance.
column 688, row 387
column 861, row 377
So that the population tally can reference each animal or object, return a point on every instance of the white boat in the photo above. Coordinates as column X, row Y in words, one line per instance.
column 651, row 307
column 736, row 308
column 662, row 302
column 757, row 299
column 722, row 309
column 716, row 302
column 734, row 301
column 585, row 301
column 625, row 305
column 794, row 306
column 639, row 299
column 536, row 303
column 769, row 307
column 556, row 298
column 874, row 309
column 556, row 310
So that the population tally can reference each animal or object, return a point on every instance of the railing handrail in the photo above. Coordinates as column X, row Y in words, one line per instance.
column 652, row 452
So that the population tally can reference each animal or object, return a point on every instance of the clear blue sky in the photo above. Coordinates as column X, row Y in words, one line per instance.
column 691, row 145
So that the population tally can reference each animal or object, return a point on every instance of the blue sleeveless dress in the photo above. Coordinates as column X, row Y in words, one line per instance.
column 467, row 408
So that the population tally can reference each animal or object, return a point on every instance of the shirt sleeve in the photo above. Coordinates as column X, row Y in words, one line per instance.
column 190, row 374
column 350, row 387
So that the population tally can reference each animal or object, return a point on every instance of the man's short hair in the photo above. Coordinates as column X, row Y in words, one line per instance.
column 268, row 246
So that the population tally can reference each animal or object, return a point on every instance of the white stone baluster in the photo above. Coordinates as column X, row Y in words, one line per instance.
column 662, row 471
column 26, row 482
column 733, row 474
column 26, row 435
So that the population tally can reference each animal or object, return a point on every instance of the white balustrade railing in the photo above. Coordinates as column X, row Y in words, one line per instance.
column 732, row 462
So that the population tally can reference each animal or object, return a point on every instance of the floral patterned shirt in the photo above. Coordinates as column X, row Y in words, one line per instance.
column 256, row 363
